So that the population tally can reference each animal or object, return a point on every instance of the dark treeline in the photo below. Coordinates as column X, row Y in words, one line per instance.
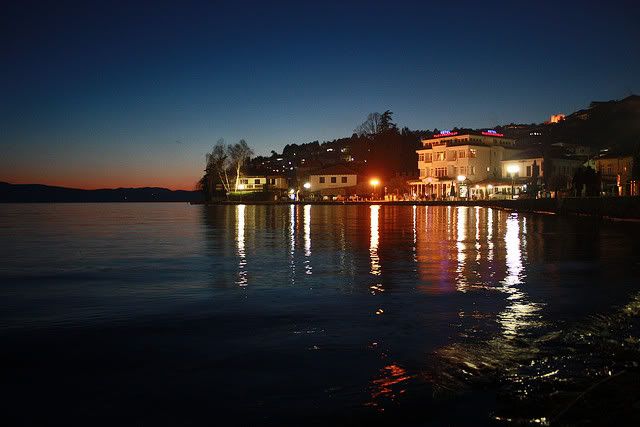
column 377, row 147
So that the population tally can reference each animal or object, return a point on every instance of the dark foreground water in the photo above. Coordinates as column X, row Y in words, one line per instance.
column 148, row 314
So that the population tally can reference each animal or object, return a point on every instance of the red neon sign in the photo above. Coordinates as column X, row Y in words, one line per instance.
column 441, row 134
column 492, row 133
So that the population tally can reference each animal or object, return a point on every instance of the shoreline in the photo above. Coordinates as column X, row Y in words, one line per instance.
column 612, row 208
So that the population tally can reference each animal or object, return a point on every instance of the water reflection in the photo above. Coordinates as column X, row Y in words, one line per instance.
column 489, row 234
column 390, row 385
column 374, row 238
column 461, row 235
column 307, row 239
column 292, row 243
column 520, row 312
column 242, row 262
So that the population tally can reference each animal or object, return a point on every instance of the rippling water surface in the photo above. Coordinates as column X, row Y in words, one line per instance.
column 270, row 315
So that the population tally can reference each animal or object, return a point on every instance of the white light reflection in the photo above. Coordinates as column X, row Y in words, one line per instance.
column 490, row 234
column 520, row 312
column 461, row 235
column 242, row 263
column 292, row 241
column 307, row 239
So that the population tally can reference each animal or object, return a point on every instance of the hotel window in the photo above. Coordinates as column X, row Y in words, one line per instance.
column 472, row 170
column 472, row 153
column 244, row 181
column 333, row 180
column 429, row 157
column 421, row 157
column 322, row 180
column 343, row 179
column 528, row 170
column 462, row 154
column 440, row 172
column 440, row 156
column 463, row 170
column 451, row 155
column 256, row 181
column 609, row 170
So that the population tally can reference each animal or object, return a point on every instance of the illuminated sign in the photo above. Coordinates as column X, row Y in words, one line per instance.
column 492, row 133
column 445, row 133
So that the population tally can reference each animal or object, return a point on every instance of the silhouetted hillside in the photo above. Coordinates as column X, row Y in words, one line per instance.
column 614, row 124
column 29, row 193
column 608, row 124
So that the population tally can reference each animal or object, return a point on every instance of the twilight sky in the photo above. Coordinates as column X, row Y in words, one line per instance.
column 108, row 94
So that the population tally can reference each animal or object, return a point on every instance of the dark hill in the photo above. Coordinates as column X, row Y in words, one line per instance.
column 613, row 124
column 30, row 193
column 604, row 124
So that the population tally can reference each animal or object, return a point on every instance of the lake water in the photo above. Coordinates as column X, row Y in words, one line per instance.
column 147, row 314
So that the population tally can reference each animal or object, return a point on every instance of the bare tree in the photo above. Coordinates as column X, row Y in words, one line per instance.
column 371, row 126
column 218, row 164
column 239, row 154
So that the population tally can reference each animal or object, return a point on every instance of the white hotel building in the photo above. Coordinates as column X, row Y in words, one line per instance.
column 459, row 160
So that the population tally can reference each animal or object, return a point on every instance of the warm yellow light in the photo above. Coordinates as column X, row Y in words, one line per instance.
column 489, row 186
column 477, row 186
column 292, row 191
column 513, row 169
column 461, row 178
column 241, row 187
column 307, row 185
column 374, row 182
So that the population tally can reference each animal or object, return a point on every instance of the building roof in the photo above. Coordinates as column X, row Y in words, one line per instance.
column 613, row 155
column 334, row 170
column 459, row 133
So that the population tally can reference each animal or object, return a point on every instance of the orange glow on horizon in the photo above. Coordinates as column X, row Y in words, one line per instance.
column 171, row 182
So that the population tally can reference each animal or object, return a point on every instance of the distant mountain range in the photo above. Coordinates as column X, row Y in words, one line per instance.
column 36, row 193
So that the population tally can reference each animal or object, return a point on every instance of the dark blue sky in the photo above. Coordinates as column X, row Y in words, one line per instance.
column 109, row 93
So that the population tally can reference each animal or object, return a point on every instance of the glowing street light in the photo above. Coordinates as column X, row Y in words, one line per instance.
column 374, row 183
column 241, row 187
column 513, row 170
column 307, row 185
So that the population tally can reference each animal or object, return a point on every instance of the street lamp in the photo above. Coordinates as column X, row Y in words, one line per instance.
column 512, row 170
column 307, row 185
column 374, row 183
